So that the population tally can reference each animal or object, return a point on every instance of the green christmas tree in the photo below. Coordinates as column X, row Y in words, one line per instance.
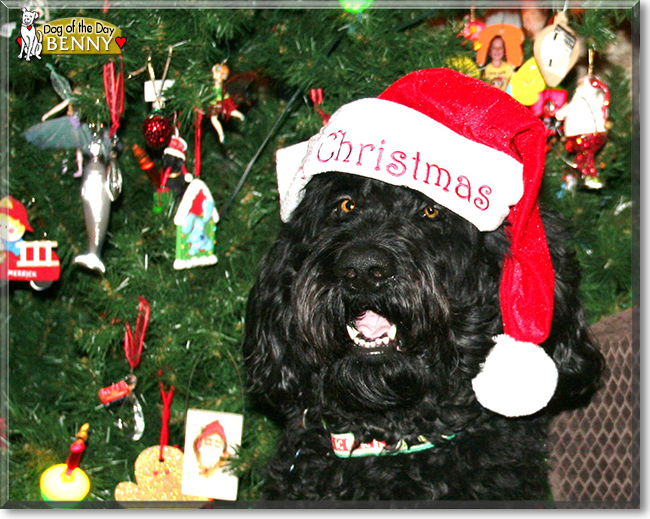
column 66, row 342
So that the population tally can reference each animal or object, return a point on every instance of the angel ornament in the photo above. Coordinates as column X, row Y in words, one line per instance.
column 223, row 105
column 62, row 132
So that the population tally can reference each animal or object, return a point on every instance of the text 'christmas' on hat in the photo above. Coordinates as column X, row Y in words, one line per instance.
column 480, row 153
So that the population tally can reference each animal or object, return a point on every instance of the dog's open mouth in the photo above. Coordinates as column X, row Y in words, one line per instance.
column 373, row 333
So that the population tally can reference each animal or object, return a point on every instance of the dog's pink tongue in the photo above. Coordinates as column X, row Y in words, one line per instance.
column 372, row 325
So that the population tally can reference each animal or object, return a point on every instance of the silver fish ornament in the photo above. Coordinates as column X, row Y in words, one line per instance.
column 100, row 185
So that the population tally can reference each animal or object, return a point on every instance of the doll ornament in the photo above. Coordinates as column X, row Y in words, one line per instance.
column 223, row 106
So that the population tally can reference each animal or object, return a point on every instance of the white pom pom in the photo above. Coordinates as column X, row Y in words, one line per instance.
column 517, row 379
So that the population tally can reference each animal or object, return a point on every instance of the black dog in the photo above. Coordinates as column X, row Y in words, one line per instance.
column 358, row 249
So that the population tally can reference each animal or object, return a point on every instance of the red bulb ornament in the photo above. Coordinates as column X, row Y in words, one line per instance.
column 157, row 130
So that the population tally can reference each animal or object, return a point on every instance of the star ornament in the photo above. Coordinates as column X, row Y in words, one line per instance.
column 157, row 480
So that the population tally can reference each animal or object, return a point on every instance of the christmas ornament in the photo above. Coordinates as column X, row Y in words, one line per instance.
column 316, row 95
column 223, row 105
column 146, row 164
column 472, row 29
column 196, row 223
column 64, row 132
column 101, row 184
column 464, row 65
column 66, row 481
column 556, row 50
column 158, row 470
column 527, row 83
column 157, row 130
column 548, row 103
column 431, row 106
column 211, row 440
column 21, row 260
column 175, row 175
column 358, row 6
column 585, row 126
column 513, row 38
column 498, row 70
column 157, row 127
column 101, row 181
column 131, row 417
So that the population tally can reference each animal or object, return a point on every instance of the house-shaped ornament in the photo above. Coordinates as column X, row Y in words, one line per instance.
column 196, row 224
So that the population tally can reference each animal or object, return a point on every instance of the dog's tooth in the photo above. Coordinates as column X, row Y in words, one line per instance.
column 385, row 340
column 357, row 341
column 392, row 332
column 352, row 332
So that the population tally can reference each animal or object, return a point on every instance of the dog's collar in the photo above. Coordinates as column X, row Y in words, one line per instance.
column 345, row 446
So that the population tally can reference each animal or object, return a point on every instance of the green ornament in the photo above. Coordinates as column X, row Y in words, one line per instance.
column 355, row 6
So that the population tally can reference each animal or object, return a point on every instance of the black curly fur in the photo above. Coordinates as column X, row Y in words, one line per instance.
column 441, row 288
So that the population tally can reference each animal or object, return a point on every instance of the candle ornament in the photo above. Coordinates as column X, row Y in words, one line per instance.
column 66, row 481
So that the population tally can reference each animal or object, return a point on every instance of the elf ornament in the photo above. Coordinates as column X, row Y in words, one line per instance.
column 223, row 106
column 518, row 377
column 585, row 126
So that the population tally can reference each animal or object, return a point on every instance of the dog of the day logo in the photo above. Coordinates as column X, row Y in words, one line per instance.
column 77, row 35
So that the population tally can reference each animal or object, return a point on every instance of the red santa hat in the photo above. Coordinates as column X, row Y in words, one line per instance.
column 480, row 153
column 177, row 146
column 210, row 429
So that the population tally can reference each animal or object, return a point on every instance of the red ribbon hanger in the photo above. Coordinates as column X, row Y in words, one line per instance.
column 114, row 89
column 133, row 344
column 197, row 142
column 164, row 431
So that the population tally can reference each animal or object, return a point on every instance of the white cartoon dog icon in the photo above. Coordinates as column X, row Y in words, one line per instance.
column 31, row 39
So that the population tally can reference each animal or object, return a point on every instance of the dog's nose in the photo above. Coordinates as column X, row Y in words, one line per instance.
column 364, row 268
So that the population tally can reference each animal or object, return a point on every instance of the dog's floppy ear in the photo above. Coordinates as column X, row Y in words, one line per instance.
column 580, row 364
column 270, row 362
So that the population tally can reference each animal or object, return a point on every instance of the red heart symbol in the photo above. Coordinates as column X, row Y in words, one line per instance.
column 19, row 40
column 29, row 27
column 121, row 40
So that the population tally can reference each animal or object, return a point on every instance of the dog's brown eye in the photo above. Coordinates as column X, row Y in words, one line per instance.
column 347, row 205
column 431, row 212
